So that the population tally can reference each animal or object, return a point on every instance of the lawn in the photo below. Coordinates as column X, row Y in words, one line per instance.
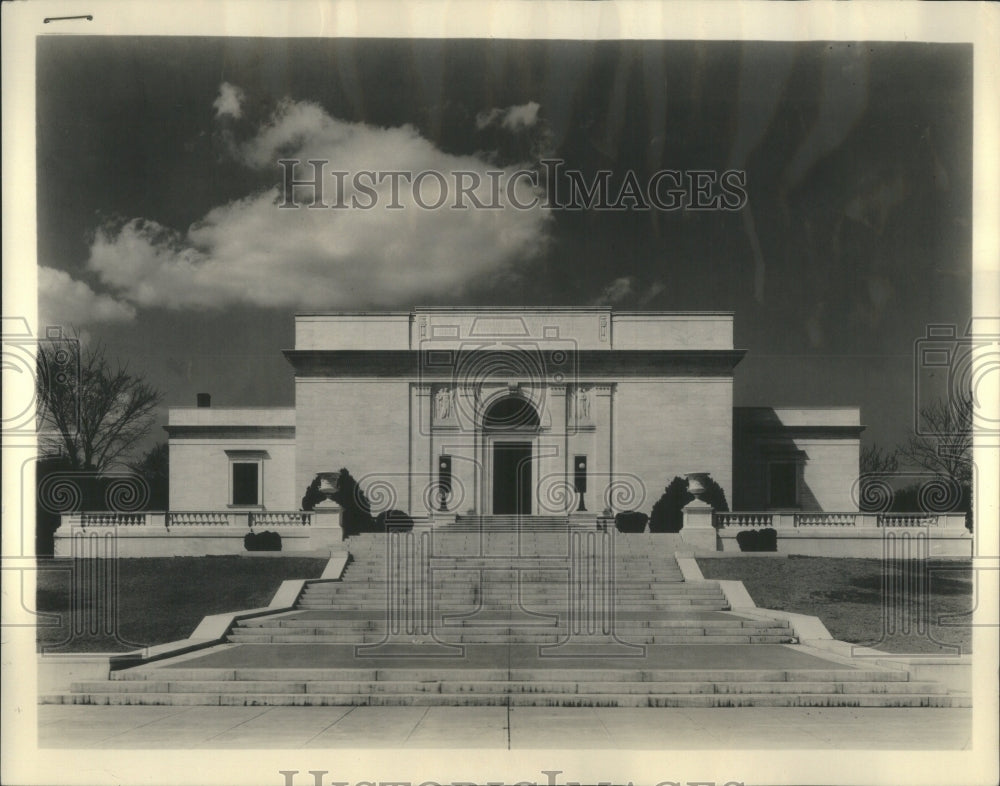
column 848, row 596
column 129, row 603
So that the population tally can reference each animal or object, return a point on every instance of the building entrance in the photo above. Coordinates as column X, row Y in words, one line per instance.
column 512, row 478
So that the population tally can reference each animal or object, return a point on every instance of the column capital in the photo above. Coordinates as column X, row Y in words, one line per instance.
column 604, row 388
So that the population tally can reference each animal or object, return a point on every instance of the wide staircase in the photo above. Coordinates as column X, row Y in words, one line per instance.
column 493, row 610
column 506, row 600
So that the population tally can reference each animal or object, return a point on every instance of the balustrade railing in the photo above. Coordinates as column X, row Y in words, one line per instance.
column 907, row 520
column 782, row 520
column 112, row 519
column 745, row 520
column 826, row 519
column 202, row 518
column 193, row 518
column 271, row 518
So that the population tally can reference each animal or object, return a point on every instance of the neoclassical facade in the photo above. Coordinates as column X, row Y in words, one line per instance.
column 443, row 411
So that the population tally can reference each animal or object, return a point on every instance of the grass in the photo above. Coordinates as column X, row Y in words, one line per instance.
column 128, row 603
column 848, row 596
column 156, row 600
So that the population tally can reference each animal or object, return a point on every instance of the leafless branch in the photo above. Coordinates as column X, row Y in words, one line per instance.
column 93, row 419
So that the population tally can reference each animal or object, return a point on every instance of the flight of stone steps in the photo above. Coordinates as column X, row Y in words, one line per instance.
column 508, row 595
column 495, row 603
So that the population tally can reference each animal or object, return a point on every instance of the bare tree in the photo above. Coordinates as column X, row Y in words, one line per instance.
column 877, row 460
column 92, row 420
column 945, row 446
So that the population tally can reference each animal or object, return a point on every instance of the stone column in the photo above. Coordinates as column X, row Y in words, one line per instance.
column 554, row 492
column 462, row 445
column 600, row 465
column 421, row 468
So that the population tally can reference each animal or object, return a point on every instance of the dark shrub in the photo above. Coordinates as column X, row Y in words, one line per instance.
column 631, row 521
column 393, row 520
column 668, row 515
column 747, row 540
column 312, row 496
column 262, row 541
column 767, row 540
column 758, row 540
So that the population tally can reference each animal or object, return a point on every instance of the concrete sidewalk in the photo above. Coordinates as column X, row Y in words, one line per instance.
column 141, row 727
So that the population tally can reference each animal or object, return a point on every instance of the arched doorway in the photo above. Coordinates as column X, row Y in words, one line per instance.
column 510, row 426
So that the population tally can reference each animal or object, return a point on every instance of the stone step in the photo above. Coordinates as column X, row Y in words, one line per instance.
column 472, row 579
column 505, row 687
column 447, row 631
column 524, row 636
column 556, row 595
column 284, row 623
column 526, row 576
column 516, row 699
column 424, row 674
column 376, row 605
column 496, row 587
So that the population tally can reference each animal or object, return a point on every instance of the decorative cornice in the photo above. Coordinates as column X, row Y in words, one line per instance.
column 578, row 365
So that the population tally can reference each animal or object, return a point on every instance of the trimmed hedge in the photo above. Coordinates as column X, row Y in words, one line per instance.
column 397, row 520
column 668, row 514
column 262, row 541
column 758, row 540
column 631, row 521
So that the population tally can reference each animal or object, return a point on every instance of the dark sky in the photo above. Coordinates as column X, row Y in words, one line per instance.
column 856, row 235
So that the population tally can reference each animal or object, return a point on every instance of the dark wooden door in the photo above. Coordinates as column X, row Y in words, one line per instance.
column 512, row 478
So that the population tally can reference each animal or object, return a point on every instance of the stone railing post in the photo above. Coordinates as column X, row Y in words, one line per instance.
column 781, row 521
column 327, row 514
column 698, row 529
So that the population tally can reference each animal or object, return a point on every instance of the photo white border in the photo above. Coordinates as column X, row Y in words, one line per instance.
column 975, row 23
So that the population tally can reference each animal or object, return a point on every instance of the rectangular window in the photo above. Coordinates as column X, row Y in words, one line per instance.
column 783, row 485
column 246, row 483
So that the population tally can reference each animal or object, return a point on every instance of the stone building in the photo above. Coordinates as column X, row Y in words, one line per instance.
column 444, row 411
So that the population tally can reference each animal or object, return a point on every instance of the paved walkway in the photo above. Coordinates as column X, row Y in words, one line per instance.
column 503, row 728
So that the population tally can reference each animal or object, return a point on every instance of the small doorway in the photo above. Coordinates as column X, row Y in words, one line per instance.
column 512, row 478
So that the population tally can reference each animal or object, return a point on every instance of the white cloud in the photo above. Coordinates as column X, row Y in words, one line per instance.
column 229, row 101
column 513, row 118
column 617, row 291
column 652, row 291
column 250, row 251
column 64, row 301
